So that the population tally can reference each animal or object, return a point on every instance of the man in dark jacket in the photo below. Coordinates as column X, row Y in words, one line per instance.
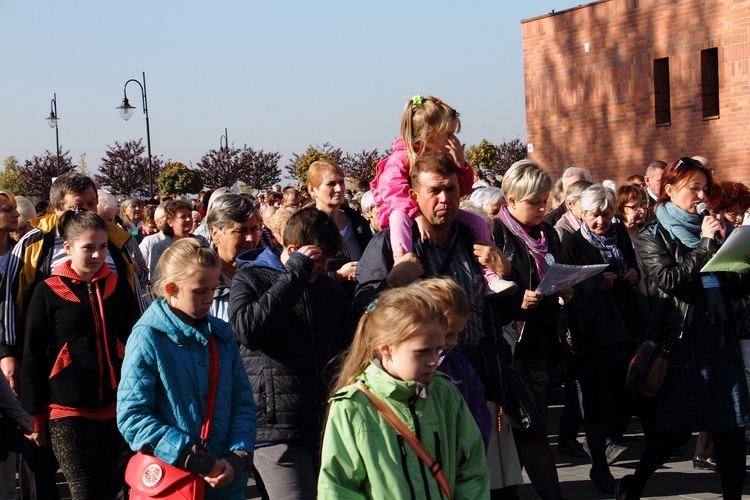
column 435, row 188
column 291, row 321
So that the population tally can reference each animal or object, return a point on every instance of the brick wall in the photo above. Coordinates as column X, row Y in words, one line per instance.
column 595, row 109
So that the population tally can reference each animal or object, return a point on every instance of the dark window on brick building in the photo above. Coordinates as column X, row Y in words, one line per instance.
column 662, row 113
column 710, row 82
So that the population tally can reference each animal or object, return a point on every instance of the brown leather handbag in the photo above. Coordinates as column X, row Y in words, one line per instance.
column 649, row 368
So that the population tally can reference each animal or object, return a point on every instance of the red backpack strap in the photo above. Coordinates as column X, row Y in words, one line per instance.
column 408, row 436
column 213, row 384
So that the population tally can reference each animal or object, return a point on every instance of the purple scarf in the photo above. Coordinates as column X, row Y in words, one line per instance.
column 607, row 246
column 537, row 248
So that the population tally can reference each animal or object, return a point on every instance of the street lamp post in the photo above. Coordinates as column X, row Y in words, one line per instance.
column 52, row 120
column 224, row 141
column 126, row 111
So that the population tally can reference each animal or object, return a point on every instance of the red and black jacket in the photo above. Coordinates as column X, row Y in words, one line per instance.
column 74, row 345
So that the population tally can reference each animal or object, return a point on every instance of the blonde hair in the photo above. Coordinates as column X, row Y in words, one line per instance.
column 525, row 180
column 393, row 318
column 450, row 297
column 26, row 210
column 318, row 169
column 174, row 264
column 277, row 222
column 424, row 121
column 9, row 195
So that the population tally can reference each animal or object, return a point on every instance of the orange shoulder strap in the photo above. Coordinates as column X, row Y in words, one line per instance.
column 409, row 437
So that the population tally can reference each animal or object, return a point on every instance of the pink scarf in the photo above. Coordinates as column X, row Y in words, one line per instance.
column 537, row 248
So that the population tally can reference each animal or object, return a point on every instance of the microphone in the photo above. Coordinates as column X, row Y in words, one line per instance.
column 705, row 212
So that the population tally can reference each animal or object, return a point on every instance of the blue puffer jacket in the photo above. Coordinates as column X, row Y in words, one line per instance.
column 164, row 385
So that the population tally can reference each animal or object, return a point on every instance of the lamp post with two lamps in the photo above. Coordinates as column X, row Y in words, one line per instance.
column 126, row 111
column 52, row 120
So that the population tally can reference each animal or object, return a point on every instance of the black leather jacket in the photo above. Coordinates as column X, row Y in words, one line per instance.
column 672, row 274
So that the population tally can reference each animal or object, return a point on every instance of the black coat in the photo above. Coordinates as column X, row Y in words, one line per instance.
column 289, row 331
column 541, row 327
column 596, row 316
column 672, row 278
column 363, row 234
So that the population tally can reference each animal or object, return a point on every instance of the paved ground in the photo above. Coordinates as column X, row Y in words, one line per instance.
column 676, row 480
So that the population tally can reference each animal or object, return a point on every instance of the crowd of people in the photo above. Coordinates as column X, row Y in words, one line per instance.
column 389, row 342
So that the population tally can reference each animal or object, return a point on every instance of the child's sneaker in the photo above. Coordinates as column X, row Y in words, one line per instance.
column 498, row 286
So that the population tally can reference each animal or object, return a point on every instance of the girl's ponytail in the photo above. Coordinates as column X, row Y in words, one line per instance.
column 424, row 118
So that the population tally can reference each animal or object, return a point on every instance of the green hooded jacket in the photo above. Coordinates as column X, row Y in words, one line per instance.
column 363, row 457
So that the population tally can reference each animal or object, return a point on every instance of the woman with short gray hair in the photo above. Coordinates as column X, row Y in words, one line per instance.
column 235, row 228
column 531, row 245
column 489, row 199
column 570, row 221
column 599, row 319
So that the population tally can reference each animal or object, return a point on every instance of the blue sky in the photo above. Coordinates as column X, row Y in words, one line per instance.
column 279, row 75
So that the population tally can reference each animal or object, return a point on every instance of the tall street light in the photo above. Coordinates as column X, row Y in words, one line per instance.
column 52, row 120
column 126, row 111
column 224, row 141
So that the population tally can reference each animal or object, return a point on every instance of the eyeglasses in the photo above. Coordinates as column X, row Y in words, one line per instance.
column 634, row 208
column 735, row 215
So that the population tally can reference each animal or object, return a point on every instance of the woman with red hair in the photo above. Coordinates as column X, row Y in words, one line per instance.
column 691, row 314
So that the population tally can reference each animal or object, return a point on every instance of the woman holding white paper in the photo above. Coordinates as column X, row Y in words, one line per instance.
column 531, row 245
column 705, row 389
column 601, row 324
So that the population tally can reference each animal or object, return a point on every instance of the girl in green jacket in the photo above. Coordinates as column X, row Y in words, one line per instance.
column 395, row 355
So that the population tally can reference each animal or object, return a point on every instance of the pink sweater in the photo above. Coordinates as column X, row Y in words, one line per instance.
column 390, row 187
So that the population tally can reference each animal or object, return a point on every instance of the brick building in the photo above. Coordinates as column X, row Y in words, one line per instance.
column 615, row 84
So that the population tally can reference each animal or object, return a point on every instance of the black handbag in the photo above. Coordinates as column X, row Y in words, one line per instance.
column 649, row 368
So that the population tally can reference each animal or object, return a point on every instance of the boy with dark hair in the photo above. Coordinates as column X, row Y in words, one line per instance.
column 291, row 320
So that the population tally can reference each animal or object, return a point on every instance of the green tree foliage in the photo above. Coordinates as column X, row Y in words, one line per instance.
column 496, row 159
column 10, row 179
column 299, row 164
column 37, row 173
column 177, row 178
column 484, row 155
column 124, row 169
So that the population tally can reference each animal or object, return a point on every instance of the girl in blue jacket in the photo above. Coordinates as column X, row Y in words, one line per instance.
column 162, row 396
